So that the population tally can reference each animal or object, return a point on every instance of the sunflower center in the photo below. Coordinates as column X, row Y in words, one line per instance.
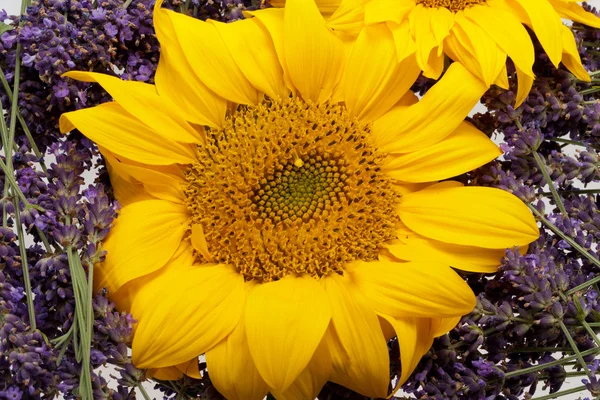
column 452, row 5
column 291, row 187
column 301, row 189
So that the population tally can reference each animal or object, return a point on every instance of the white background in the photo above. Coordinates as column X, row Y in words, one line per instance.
column 13, row 7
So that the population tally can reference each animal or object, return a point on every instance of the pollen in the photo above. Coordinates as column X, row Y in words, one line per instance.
column 452, row 5
column 291, row 187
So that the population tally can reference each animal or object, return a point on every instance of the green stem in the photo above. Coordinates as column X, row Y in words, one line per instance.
column 584, row 285
column 591, row 332
column 574, row 347
column 563, row 393
column 143, row 391
column 63, row 349
column 4, row 133
column 569, row 141
column 81, row 312
column 576, row 191
column 591, row 90
column 63, row 338
column 540, row 367
column 538, row 349
column 25, row 266
column 543, row 169
column 45, row 241
column 577, row 247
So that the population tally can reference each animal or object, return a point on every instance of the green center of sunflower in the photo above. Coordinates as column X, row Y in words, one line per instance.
column 291, row 187
column 301, row 189
column 452, row 5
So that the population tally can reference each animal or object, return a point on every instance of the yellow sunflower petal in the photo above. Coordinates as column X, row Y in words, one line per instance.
column 161, row 185
column 441, row 326
column 203, row 47
column 462, row 51
column 313, row 53
column 232, row 370
column 124, row 296
column 575, row 12
column 199, row 241
column 190, row 368
column 471, row 216
column 442, row 22
column 403, row 188
column 525, row 82
column 407, row 129
column 326, row 7
column 502, row 79
column 405, row 44
column 443, row 185
column 175, row 78
column 413, row 247
column 374, row 80
column 142, row 240
column 414, row 340
column 285, row 321
column 348, row 17
column 417, row 289
column 386, row 328
column 489, row 58
column 185, row 312
column 143, row 102
column 126, row 192
column 435, row 65
column 546, row 24
column 110, row 126
column 312, row 379
column 250, row 45
column 363, row 364
column 571, row 58
column 463, row 150
column 377, row 11
column 508, row 33
column 421, row 27
column 165, row 374
column 272, row 20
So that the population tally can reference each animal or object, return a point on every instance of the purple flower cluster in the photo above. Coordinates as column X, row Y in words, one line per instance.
column 37, row 363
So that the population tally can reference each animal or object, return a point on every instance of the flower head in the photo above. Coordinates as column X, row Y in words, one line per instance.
column 480, row 34
column 278, row 197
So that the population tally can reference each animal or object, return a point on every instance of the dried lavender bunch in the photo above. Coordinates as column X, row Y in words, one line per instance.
column 42, row 361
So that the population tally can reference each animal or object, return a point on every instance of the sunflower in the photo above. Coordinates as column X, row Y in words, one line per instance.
column 480, row 34
column 282, row 210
